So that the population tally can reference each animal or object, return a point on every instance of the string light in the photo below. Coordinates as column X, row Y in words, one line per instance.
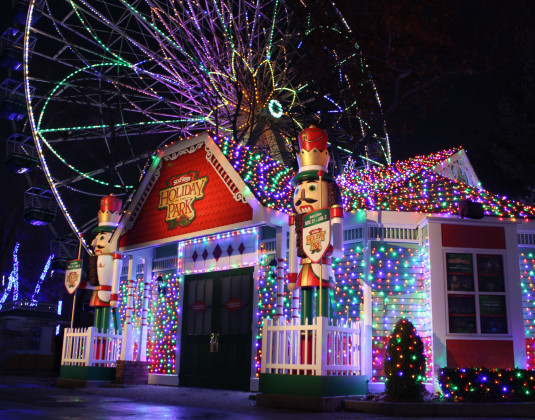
column 487, row 385
column 405, row 362
column 41, row 279
column 409, row 185
column 267, row 293
column 242, row 233
column 349, row 273
column 163, row 319
column 269, row 180
column 184, row 70
column 527, row 283
column 13, row 282
column 400, row 289
column 413, row 186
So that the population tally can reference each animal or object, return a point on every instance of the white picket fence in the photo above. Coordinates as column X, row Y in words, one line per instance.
column 90, row 347
column 321, row 348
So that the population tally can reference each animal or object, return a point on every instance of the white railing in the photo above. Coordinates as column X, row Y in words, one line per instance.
column 321, row 348
column 167, row 263
column 90, row 347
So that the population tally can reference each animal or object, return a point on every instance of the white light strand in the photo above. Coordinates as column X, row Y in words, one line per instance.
column 13, row 278
column 41, row 279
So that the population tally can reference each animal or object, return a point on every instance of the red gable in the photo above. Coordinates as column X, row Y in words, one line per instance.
column 189, row 196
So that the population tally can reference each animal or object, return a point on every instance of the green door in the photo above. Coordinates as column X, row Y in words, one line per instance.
column 216, row 330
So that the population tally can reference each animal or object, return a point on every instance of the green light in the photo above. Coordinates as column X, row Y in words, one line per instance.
column 275, row 108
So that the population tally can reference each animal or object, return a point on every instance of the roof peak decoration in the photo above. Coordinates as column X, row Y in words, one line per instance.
column 458, row 167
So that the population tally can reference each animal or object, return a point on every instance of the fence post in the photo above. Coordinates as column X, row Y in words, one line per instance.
column 321, row 345
column 265, row 339
column 77, row 347
column 65, row 344
column 89, row 347
column 294, row 345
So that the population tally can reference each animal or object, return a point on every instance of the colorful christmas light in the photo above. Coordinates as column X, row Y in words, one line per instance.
column 349, row 273
column 163, row 319
column 527, row 283
column 412, row 185
column 218, row 237
column 400, row 289
column 171, row 73
column 487, row 385
column 405, row 363
column 268, row 179
column 267, row 298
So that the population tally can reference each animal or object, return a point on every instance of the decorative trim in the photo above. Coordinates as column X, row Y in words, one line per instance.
column 164, row 264
column 353, row 234
column 188, row 150
column 141, row 201
column 225, row 177
column 396, row 233
column 526, row 239
column 269, row 246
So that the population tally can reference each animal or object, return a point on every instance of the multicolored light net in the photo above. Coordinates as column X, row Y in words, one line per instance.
column 400, row 289
column 163, row 319
column 527, row 283
column 411, row 185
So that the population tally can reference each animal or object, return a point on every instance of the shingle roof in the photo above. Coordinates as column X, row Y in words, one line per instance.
column 408, row 185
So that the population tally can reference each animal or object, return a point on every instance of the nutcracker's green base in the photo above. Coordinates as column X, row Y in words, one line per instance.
column 308, row 393
column 313, row 386
column 87, row 373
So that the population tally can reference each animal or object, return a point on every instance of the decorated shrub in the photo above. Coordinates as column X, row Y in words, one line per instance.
column 487, row 385
column 404, row 363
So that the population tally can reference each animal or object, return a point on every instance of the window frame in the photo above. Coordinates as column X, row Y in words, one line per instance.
column 476, row 293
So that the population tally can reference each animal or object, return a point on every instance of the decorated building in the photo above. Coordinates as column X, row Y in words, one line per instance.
column 207, row 233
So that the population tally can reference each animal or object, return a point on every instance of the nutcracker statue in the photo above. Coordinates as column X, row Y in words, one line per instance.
column 315, row 228
column 105, row 266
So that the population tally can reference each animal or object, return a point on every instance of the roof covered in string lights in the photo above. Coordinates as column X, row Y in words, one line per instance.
column 424, row 184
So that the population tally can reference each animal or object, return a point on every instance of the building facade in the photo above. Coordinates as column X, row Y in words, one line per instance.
column 207, row 235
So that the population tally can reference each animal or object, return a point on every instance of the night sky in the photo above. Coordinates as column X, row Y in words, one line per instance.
column 466, row 72
column 467, row 63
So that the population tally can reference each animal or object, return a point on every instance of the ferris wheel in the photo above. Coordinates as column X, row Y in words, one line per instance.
column 109, row 82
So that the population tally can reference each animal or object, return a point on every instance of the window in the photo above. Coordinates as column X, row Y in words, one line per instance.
column 476, row 293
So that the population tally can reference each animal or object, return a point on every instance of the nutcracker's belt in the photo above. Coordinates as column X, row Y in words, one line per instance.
column 324, row 260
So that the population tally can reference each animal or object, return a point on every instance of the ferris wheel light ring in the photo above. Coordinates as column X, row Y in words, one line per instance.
column 275, row 108
column 171, row 79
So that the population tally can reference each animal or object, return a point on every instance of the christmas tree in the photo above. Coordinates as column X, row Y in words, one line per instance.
column 404, row 363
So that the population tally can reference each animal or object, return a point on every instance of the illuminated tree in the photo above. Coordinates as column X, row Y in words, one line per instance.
column 404, row 363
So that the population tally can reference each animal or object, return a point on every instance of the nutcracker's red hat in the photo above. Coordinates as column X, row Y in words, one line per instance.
column 109, row 214
column 313, row 154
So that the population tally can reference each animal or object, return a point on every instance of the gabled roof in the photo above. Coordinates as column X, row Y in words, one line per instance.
column 428, row 184
column 268, row 179
column 189, row 190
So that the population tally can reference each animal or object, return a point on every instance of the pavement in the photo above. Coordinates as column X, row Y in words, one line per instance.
column 27, row 397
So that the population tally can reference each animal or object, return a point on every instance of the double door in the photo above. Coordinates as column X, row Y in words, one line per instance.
column 216, row 330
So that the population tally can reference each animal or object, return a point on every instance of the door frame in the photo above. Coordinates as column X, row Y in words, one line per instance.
column 252, row 272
